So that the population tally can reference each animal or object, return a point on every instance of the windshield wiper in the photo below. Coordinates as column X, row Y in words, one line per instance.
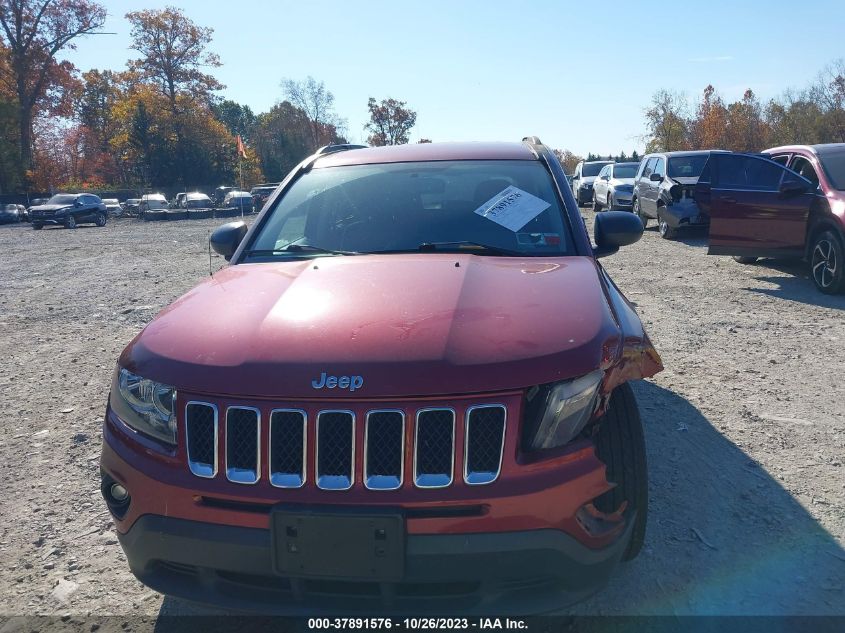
column 466, row 245
column 300, row 248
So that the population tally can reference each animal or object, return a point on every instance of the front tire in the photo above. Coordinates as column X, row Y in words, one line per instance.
column 37, row 227
column 827, row 263
column 70, row 223
column 620, row 444
column 596, row 205
column 609, row 205
column 638, row 211
column 666, row 231
column 101, row 220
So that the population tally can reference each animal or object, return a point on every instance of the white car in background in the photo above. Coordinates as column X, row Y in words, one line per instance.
column 153, row 202
column 613, row 188
column 113, row 206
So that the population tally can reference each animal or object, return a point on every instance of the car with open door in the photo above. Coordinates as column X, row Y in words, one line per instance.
column 759, row 208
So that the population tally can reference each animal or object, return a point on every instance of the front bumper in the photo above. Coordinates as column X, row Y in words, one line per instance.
column 49, row 219
column 517, row 545
column 684, row 213
column 521, row 572
column 584, row 194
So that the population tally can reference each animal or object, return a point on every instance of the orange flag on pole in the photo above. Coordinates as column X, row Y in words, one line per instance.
column 241, row 149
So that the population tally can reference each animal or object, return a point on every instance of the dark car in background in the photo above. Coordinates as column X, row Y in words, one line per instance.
column 260, row 194
column 613, row 188
column 219, row 195
column 583, row 178
column 70, row 210
column 12, row 213
column 787, row 204
column 664, row 190
column 240, row 200
column 197, row 200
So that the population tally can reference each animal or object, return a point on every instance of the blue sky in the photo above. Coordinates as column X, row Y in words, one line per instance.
column 578, row 75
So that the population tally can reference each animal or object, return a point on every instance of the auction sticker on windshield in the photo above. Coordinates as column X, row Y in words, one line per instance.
column 512, row 208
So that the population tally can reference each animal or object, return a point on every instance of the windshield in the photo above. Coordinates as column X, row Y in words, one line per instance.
column 62, row 198
column 400, row 206
column 625, row 171
column 686, row 166
column 833, row 162
column 592, row 169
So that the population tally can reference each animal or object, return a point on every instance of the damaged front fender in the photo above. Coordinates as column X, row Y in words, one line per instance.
column 635, row 357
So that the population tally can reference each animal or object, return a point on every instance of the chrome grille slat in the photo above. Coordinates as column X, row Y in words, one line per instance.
column 384, row 449
column 243, row 444
column 434, row 448
column 484, row 443
column 201, row 424
column 287, row 448
column 335, row 451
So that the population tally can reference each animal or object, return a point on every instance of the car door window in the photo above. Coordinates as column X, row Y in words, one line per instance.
column 660, row 168
column 649, row 168
column 781, row 159
column 748, row 172
column 804, row 167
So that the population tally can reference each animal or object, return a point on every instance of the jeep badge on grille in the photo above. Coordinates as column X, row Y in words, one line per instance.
column 341, row 382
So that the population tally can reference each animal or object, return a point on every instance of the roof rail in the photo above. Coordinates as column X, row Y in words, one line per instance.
column 533, row 140
column 342, row 147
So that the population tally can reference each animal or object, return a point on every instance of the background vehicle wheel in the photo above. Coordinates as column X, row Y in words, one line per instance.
column 827, row 263
column 37, row 227
column 639, row 213
column 620, row 444
column 596, row 206
column 666, row 231
column 70, row 223
column 745, row 260
column 609, row 205
column 101, row 219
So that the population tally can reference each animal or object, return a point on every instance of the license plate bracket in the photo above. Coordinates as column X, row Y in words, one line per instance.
column 338, row 544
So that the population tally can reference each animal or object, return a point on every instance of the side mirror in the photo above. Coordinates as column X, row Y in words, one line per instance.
column 226, row 239
column 613, row 229
column 656, row 178
column 790, row 189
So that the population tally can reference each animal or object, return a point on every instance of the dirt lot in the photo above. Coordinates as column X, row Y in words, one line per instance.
column 745, row 428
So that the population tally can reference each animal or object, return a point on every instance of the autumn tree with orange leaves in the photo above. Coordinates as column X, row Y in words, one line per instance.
column 33, row 33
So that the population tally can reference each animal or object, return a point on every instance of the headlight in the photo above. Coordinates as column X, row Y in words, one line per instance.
column 555, row 414
column 148, row 407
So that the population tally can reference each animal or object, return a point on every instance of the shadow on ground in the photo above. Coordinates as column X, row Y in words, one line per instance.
column 724, row 537
column 796, row 286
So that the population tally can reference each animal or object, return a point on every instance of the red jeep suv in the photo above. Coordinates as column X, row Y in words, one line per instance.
column 408, row 391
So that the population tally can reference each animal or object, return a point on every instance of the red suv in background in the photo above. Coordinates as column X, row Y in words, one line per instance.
column 408, row 391
column 787, row 203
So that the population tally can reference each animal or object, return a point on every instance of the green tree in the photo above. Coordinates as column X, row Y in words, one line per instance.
column 667, row 122
column 390, row 122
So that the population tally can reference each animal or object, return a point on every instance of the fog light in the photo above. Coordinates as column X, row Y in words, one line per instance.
column 119, row 493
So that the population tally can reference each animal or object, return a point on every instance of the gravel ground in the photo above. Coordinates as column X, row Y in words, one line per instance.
column 745, row 428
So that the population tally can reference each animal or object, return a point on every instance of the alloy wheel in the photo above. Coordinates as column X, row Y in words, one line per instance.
column 824, row 263
column 70, row 222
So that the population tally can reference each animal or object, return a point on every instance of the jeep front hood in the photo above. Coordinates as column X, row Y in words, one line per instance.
column 410, row 325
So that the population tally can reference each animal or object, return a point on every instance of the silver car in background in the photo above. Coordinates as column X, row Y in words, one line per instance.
column 614, row 187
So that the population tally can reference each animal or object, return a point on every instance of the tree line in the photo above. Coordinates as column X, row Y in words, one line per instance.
column 160, row 121
column 813, row 114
